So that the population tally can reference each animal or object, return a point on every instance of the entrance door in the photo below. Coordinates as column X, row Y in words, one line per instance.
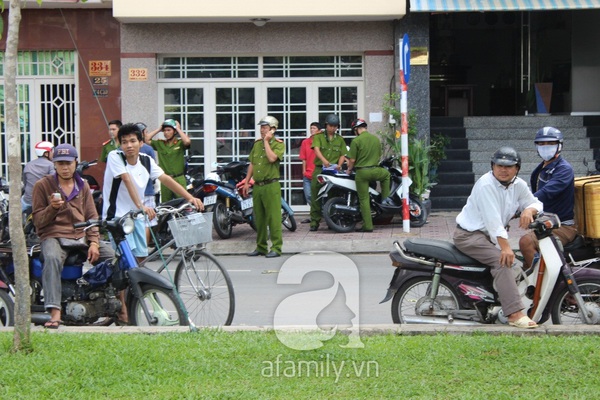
column 47, row 110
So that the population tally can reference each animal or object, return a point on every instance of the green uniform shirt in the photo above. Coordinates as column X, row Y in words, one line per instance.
column 262, row 169
column 365, row 149
column 332, row 149
column 171, row 156
column 107, row 147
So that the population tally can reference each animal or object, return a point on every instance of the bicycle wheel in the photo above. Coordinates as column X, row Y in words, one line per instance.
column 205, row 289
column 7, row 317
column 163, row 305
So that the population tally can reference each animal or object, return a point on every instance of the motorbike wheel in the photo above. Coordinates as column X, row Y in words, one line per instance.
column 7, row 309
column 221, row 220
column 164, row 307
column 418, row 213
column 412, row 299
column 288, row 220
column 565, row 310
column 336, row 220
column 205, row 289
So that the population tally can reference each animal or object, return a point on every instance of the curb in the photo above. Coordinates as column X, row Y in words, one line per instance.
column 365, row 330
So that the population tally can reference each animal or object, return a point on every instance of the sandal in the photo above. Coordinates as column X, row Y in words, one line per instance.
column 53, row 324
column 524, row 322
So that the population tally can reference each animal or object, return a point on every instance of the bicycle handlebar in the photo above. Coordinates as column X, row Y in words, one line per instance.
column 162, row 210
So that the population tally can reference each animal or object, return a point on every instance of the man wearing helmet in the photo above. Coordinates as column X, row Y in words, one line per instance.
column 171, row 154
column 330, row 150
column 265, row 158
column 552, row 182
column 364, row 155
column 36, row 170
column 481, row 227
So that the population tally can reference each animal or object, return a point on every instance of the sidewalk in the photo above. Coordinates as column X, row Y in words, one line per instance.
column 440, row 225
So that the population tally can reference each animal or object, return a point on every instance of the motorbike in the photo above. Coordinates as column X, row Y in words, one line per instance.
column 94, row 185
column 92, row 297
column 222, row 195
column 341, row 209
column 437, row 284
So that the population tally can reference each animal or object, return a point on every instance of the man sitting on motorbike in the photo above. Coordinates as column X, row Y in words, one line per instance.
column 552, row 182
column 481, row 227
column 330, row 149
column 59, row 201
column 364, row 155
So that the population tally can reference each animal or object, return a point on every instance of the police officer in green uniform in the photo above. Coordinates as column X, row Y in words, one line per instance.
column 112, row 143
column 364, row 156
column 330, row 148
column 171, row 154
column 265, row 157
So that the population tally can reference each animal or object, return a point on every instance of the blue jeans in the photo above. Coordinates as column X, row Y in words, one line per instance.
column 54, row 259
column 306, row 187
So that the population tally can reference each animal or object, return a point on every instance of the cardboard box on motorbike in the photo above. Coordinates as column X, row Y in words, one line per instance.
column 587, row 206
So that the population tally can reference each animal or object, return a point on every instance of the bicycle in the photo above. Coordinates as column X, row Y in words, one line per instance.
column 203, row 283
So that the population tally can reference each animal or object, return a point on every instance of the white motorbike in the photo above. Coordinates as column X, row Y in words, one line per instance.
column 341, row 209
column 437, row 284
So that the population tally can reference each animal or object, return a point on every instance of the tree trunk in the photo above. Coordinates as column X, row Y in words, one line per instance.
column 21, row 338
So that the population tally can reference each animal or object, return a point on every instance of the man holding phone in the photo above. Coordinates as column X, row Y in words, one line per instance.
column 59, row 201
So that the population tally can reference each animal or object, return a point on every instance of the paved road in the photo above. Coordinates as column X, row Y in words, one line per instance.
column 258, row 294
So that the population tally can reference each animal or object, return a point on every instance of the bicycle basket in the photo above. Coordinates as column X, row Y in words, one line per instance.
column 192, row 229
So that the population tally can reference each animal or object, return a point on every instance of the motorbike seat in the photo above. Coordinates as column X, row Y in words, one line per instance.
column 174, row 203
column 439, row 249
column 338, row 174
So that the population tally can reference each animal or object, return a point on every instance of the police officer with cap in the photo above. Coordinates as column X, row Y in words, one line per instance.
column 265, row 158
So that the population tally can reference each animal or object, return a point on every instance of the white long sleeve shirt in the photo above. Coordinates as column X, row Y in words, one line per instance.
column 491, row 206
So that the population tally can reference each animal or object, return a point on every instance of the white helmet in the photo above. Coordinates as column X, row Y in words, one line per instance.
column 268, row 120
column 43, row 147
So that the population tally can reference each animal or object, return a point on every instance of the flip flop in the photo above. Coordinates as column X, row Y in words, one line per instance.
column 53, row 324
column 524, row 322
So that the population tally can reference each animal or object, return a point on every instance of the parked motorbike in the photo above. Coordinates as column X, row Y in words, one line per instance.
column 86, row 298
column 92, row 182
column 435, row 283
column 341, row 209
column 222, row 195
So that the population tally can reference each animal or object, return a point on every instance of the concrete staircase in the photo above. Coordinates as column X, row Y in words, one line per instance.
column 455, row 173
column 470, row 155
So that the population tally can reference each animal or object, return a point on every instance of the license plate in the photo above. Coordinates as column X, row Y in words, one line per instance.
column 246, row 204
column 208, row 200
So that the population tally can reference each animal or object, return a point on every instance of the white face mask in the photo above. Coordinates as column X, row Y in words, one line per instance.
column 547, row 152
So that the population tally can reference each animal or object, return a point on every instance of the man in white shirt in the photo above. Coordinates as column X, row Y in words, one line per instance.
column 125, row 179
column 481, row 232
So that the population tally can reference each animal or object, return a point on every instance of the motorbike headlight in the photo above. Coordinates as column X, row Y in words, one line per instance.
column 128, row 225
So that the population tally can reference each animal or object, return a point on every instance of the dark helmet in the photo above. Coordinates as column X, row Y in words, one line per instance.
column 548, row 134
column 506, row 156
column 357, row 123
column 333, row 120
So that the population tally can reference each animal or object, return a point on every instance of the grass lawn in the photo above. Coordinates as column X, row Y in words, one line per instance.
column 256, row 365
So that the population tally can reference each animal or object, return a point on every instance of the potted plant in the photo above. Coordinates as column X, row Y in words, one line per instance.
column 437, row 153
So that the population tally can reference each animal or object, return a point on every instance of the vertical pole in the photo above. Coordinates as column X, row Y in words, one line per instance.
column 404, row 151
